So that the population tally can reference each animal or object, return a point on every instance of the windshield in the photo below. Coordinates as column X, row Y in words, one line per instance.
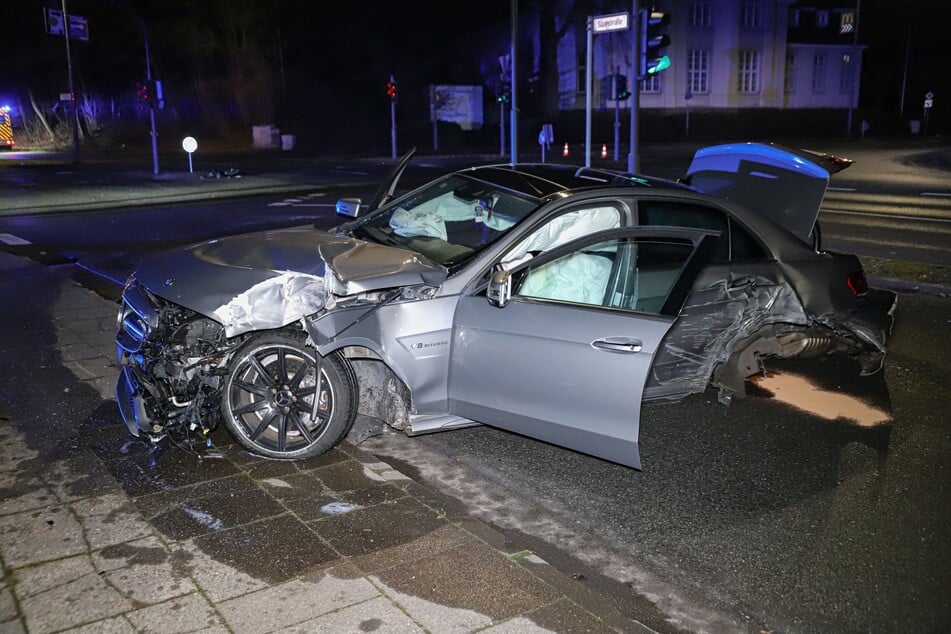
column 448, row 221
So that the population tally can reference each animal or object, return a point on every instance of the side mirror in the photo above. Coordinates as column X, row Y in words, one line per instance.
column 500, row 287
column 349, row 207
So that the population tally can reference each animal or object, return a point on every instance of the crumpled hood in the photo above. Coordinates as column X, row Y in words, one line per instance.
column 269, row 279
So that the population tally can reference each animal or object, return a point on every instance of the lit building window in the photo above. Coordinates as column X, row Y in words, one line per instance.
column 651, row 84
column 822, row 19
column 751, row 14
column 790, row 85
column 700, row 13
column 698, row 71
column 749, row 72
column 819, row 72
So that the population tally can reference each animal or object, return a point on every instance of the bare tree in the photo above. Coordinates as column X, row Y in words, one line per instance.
column 40, row 116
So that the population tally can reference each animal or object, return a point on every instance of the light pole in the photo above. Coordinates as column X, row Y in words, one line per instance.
column 148, row 78
column 513, row 126
column 856, row 70
column 633, row 160
column 72, row 91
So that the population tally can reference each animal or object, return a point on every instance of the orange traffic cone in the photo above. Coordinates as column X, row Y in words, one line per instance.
column 565, row 151
column 604, row 150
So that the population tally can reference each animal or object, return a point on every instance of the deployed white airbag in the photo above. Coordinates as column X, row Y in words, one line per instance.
column 579, row 277
column 273, row 303
column 429, row 219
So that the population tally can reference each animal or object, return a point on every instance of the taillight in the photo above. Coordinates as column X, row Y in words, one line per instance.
column 857, row 283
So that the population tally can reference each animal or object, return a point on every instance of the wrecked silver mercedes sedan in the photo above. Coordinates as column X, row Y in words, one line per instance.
column 547, row 300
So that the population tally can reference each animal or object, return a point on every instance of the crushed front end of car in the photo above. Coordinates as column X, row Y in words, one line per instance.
column 171, row 364
column 219, row 333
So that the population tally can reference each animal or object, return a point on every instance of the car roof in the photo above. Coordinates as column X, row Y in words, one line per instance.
column 541, row 180
column 544, row 180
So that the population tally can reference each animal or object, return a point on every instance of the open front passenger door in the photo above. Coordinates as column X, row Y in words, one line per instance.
column 565, row 359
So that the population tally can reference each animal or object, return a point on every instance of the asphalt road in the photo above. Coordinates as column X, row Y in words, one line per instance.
column 760, row 516
column 891, row 205
column 755, row 516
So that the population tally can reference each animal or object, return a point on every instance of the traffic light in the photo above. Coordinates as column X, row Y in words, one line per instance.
column 504, row 94
column 391, row 90
column 145, row 92
column 621, row 91
column 654, row 39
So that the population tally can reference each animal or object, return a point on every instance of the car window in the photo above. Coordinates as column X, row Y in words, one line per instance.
column 623, row 274
column 745, row 246
column 678, row 214
column 448, row 221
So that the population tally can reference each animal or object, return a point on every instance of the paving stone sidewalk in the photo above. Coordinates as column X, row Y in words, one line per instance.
column 101, row 533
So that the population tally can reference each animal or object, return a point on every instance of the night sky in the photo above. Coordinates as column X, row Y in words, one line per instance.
column 325, row 61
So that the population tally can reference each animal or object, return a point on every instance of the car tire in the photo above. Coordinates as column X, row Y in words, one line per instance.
column 268, row 397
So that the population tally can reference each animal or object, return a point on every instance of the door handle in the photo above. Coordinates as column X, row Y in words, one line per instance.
column 624, row 347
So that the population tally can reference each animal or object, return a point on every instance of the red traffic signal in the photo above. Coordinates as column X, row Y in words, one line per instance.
column 391, row 90
column 148, row 93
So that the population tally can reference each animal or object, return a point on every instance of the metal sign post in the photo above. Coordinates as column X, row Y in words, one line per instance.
column 393, row 122
column 633, row 161
column 74, row 109
column 597, row 24
column 687, row 97
column 505, row 74
column 926, row 110
column 617, row 113
column 189, row 144
column 434, row 116
column 513, row 109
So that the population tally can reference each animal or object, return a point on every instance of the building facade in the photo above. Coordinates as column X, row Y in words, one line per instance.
column 728, row 54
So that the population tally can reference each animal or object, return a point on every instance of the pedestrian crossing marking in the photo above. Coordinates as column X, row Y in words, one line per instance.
column 12, row 240
column 299, row 202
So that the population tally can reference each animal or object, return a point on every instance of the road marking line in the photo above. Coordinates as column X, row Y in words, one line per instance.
column 841, row 189
column 879, row 243
column 282, row 203
column 884, row 216
column 941, row 194
column 12, row 240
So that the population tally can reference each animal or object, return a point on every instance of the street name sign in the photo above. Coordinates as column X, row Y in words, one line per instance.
column 608, row 23
column 55, row 25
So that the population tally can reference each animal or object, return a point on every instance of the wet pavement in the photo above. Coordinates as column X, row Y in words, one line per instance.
column 100, row 532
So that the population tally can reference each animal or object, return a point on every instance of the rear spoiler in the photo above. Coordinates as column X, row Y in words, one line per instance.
column 832, row 164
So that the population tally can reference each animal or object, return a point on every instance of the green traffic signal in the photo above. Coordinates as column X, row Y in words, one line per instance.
column 504, row 94
column 653, row 39
column 660, row 64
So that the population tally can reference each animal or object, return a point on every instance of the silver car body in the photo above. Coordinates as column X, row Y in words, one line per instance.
column 550, row 363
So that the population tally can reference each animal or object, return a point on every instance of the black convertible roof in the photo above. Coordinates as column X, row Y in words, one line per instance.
column 540, row 180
